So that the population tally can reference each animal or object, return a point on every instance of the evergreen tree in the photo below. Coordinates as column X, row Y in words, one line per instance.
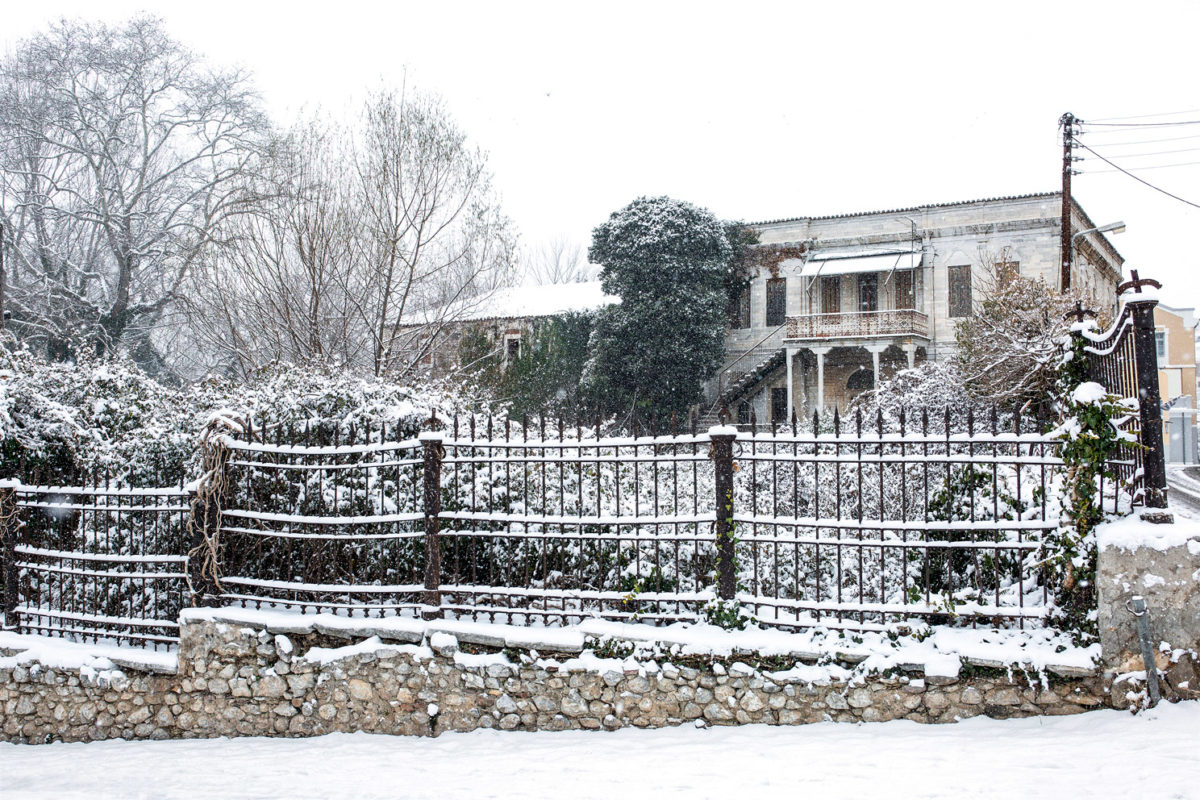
column 668, row 262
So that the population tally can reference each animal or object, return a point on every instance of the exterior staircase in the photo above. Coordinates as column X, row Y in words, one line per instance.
column 742, row 375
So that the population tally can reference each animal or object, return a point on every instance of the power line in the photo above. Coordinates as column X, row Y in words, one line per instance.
column 1158, row 152
column 1136, row 178
column 1150, row 116
column 1143, row 124
column 1140, row 169
column 1149, row 141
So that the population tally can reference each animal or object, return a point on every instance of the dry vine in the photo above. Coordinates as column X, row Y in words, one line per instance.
column 204, row 523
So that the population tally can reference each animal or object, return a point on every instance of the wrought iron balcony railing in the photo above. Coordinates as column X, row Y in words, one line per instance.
column 858, row 325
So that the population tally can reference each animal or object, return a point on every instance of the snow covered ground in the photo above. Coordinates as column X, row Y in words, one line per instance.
column 1100, row 754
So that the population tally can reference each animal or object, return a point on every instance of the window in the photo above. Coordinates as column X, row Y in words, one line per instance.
column 512, row 349
column 861, row 380
column 959, row 300
column 868, row 292
column 776, row 301
column 1007, row 271
column 906, row 296
column 743, row 413
column 779, row 405
column 1160, row 345
column 831, row 295
column 739, row 308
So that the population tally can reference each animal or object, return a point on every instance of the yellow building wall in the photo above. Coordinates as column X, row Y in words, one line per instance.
column 1177, row 374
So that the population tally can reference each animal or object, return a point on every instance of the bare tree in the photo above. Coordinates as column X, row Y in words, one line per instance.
column 366, row 244
column 557, row 260
column 276, row 288
column 432, row 236
column 1009, row 348
column 120, row 152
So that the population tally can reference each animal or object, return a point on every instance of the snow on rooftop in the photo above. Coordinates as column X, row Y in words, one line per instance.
column 533, row 301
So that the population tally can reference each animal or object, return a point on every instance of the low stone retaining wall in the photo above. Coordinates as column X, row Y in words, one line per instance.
column 1162, row 564
column 254, row 680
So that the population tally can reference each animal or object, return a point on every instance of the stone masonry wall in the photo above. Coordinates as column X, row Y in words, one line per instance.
column 236, row 679
column 1167, row 575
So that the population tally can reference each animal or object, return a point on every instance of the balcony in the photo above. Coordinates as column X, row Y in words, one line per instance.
column 857, row 325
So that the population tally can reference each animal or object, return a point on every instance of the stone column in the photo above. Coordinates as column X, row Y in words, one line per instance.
column 820, row 353
column 791, row 355
column 910, row 350
column 875, row 350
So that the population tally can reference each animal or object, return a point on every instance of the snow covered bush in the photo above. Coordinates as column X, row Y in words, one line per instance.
column 930, row 386
column 66, row 423
column 1092, row 437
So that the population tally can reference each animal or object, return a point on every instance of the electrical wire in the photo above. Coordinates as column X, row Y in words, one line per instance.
column 1141, row 124
column 1149, row 116
column 1140, row 169
column 1150, row 141
column 1136, row 178
column 1157, row 153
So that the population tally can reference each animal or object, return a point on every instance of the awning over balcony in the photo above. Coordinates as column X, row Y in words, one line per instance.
column 833, row 264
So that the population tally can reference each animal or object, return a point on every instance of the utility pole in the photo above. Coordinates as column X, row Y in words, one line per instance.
column 1067, row 123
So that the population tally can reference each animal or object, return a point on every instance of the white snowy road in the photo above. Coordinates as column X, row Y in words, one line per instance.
column 1097, row 755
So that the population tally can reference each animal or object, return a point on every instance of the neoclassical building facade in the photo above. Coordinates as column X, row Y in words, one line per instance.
column 847, row 299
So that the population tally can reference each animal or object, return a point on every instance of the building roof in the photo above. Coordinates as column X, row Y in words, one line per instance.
column 535, row 301
column 909, row 209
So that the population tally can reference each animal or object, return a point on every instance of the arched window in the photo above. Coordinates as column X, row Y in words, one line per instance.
column 861, row 380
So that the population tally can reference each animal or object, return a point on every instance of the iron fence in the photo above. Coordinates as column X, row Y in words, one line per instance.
column 858, row 525
column 94, row 562
column 1124, row 360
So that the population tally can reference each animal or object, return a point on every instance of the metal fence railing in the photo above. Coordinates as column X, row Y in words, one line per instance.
column 1124, row 360
column 851, row 523
column 95, row 562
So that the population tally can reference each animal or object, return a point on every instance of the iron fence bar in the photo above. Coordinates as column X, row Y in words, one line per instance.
column 1150, row 403
column 722, row 455
column 433, row 452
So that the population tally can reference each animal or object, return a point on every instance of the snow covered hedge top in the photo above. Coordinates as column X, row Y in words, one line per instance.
column 63, row 422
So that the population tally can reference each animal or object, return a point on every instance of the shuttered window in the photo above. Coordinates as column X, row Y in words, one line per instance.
column 959, row 300
column 868, row 292
column 831, row 295
column 776, row 301
column 739, row 309
column 906, row 296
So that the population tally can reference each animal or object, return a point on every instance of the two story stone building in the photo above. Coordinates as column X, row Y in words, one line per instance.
column 852, row 297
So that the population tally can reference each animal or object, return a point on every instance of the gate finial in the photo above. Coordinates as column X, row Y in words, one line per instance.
column 1137, row 283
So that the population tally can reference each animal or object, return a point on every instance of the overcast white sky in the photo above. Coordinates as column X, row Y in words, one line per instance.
column 755, row 110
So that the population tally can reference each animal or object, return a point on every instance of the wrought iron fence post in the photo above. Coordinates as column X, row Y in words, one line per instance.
column 722, row 455
column 1145, row 353
column 9, row 525
column 431, row 442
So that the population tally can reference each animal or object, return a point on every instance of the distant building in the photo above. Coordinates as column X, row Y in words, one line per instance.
column 856, row 296
column 504, row 318
column 1175, row 340
column 1175, row 337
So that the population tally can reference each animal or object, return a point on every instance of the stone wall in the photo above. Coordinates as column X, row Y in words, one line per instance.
column 238, row 679
column 1164, row 568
